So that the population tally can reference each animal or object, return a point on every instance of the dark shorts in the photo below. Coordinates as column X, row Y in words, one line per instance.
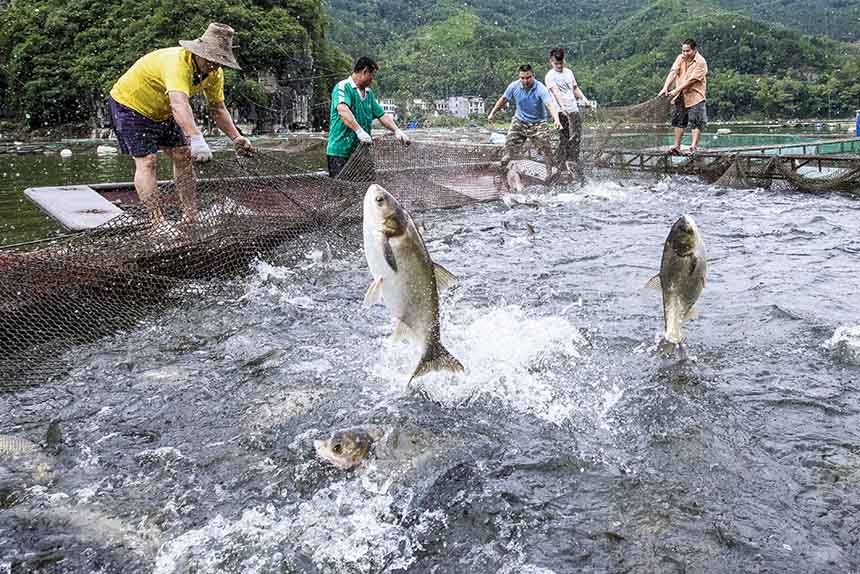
column 361, row 170
column 140, row 136
column 569, row 139
column 694, row 117
column 335, row 164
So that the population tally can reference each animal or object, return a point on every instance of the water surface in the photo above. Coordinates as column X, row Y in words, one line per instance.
column 566, row 446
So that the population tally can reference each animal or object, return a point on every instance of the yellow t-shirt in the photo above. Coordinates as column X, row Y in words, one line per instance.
column 144, row 86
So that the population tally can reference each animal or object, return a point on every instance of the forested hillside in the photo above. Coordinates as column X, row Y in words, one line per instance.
column 838, row 19
column 59, row 58
column 620, row 51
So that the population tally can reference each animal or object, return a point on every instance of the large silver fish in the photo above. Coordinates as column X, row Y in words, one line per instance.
column 396, row 449
column 347, row 448
column 405, row 278
column 683, row 271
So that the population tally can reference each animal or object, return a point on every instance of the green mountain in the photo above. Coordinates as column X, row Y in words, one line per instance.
column 620, row 50
column 59, row 58
column 839, row 19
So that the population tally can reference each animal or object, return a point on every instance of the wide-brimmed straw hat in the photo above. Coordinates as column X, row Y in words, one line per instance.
column 216, row 45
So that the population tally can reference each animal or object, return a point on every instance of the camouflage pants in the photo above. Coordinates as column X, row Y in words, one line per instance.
column 569, row 140
column 517, row 136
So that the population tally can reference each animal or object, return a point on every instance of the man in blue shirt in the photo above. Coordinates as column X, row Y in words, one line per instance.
column 532, row 100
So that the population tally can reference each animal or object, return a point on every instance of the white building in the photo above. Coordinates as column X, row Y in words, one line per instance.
column 390, row 108
column 419, row 104
column 460, row 106
column 476, row 105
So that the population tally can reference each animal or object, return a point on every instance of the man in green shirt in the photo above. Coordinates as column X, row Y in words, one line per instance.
column 353, row 109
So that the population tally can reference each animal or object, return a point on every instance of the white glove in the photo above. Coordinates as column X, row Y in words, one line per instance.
column 363, row 136
column 242, row 145
column 200, row 149
column 402, row 137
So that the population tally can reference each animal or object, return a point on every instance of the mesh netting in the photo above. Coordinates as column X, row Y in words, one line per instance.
column 625, row 127
column 781, row 173
column 630, row 137
column 76, row 289
column 606, row 132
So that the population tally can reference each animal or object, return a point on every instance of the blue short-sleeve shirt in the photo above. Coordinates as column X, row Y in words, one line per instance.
column 531, row 107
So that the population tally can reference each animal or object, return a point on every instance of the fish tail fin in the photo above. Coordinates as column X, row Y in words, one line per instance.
column 669, row 348
column 436, row 358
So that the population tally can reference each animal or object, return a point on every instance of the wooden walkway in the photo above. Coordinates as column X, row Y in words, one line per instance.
column 706, row 162
column 827, row 147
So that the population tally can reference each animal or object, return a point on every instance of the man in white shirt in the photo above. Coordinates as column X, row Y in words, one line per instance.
column 562, row 85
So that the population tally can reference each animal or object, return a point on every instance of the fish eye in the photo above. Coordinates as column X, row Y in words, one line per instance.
column 379, row 199
column 337, row 448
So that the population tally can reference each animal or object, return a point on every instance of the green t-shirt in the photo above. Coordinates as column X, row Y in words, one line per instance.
column 341, row 139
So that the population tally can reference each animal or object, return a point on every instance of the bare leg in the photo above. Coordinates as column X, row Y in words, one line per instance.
column 183, row 176
column 145, row 183
column 679, row 133
column 696, row 134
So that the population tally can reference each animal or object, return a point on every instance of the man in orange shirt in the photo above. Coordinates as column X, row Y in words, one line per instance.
column 689, row 73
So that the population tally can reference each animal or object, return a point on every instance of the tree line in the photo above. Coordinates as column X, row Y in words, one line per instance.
column 59, row 58
column 757, row 69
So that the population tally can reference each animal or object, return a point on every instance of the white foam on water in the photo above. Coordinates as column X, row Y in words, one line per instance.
column 509, row 355
column 608, row 190
column 524, row 569
column 849, row 334
column 276, row 284
column 162, row 455
column 344, row 527
column 845, row 342
column 531, row 199
column 315, row 366
column 283, row 406
column 169, row 374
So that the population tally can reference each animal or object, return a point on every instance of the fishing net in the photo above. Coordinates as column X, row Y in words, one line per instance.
column 269, row 206
column 782, row 173
column 614, row 128
column 740, row 173
column 839, row 180
column 59, row 293
column 630, row 138
column 608, row 132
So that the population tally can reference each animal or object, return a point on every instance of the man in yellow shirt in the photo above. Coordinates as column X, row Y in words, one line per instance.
column 689, row 73
column 150, row 110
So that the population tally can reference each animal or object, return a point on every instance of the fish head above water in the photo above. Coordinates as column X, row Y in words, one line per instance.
column 346, row 448
column 684, row 236
column 383, row 212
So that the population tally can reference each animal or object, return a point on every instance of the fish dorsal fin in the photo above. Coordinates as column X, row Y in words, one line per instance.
column 444, row 278
column 654, row 283
column 374, row 292
column 691, row 314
